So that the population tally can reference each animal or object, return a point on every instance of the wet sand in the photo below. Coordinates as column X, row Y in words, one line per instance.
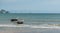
column 29, row 30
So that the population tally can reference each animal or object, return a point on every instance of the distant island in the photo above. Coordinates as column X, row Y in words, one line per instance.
column 2, row 11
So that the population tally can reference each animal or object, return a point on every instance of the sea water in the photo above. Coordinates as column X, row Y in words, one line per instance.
column 33, row 22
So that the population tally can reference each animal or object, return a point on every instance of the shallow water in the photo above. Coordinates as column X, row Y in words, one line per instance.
column 33, row 23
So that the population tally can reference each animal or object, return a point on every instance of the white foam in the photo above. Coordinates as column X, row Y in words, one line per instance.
column 45, row 27
column 5, row 25
column 30, row 26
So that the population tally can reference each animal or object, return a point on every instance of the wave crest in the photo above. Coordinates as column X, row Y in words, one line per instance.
column 32, row 26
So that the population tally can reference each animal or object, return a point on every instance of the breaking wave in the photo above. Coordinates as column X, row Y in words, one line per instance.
column 32, row 26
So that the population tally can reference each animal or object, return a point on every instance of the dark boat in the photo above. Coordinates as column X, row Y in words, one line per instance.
column 17, row 21
column 12, row 20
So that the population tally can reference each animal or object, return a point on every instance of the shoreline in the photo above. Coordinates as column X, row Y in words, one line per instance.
column 9, row 30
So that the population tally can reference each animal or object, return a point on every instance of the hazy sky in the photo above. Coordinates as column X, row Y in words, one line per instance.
column 34, row 6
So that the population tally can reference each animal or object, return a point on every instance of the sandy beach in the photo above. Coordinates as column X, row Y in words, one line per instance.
column 29, row 30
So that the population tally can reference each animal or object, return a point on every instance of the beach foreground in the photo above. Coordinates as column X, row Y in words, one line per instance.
column 29, row 30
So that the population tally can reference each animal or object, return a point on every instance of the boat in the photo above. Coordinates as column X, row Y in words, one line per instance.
column 17, row 21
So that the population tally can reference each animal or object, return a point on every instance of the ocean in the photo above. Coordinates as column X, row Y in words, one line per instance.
column 33, row 23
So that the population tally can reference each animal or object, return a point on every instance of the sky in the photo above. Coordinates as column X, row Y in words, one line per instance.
column 31, row 6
